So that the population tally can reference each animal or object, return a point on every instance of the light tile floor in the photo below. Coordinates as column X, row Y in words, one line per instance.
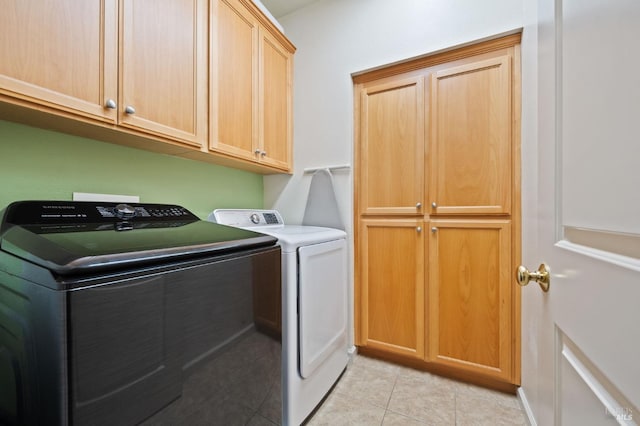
column 373, row 392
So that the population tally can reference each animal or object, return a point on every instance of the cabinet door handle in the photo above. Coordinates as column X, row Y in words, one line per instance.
column 257, row 151
column 130, row 110
column 263, row 153
column 418, row 206
column 434, row 229
column 110, row 104
column 434, row 205
column 419, row 229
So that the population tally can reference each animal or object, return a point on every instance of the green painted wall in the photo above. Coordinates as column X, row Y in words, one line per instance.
column 41, row 164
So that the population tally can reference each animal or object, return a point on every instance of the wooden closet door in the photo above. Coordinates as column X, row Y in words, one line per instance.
column 392, row 149
column 470, row 293
column 471, row 138
column 455, row 144
column 391, row 259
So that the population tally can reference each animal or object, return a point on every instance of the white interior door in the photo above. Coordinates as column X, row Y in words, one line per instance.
column 581, row 340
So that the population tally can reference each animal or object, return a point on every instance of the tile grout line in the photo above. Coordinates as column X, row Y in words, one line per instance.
column 386, row 407
column 455, row 405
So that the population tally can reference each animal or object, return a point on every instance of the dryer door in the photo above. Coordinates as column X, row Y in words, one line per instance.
column 322, row 303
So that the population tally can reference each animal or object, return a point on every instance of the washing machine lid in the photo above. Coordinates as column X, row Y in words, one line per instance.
column 73, row 237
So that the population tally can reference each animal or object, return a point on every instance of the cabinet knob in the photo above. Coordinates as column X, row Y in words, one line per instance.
column 257, row 151
column 434, row 205
column 419, row 229
column 418, row 206
column 263, row 153
column 434, row 229
column 110, row 104
column 130, row 110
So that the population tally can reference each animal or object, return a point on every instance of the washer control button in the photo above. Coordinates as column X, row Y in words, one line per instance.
column 255, row 218
column 124, row 211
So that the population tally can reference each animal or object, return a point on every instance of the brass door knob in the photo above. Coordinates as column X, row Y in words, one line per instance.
column 541, row 276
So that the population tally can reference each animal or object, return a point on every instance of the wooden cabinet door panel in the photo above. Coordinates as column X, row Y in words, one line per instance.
column 275, row 73
column 471, row 138
column 234, row 80
column 251, row 88
column 61, row 54
column 392, row 290
column 392, row 149
column 163, row 68
column 470, row 296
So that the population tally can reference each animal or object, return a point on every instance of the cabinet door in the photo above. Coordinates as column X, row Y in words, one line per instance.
column 275, row 110
column 60, row 54
column 163, row 68
column 471, row 138
column 391, row 151
column 470, row 296
column 234, row 80
column 392, row 286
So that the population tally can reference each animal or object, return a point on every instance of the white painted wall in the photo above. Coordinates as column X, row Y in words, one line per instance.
column 336, row 38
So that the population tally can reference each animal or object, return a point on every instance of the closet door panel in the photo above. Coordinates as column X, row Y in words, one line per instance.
column 392, row 151
column 391, row 259
column 471, row 138
column 470, row 292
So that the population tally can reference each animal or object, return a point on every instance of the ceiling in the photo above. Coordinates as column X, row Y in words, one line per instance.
column 280, row 8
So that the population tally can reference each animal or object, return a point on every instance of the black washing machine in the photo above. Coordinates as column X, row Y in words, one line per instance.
column 115, row 314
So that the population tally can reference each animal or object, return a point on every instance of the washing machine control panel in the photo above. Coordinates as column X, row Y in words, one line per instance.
column 246, row 218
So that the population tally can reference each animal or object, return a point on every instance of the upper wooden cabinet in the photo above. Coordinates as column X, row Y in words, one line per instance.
column 471, row 138
column 204, row 79
column 65, row 55
column 392, row 148
column 275, row 101
column 251, row 86
column 163, row 68
column 234, row 80
column 42, row 61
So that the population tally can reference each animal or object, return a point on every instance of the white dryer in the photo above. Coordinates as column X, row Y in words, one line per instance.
column 314, row 306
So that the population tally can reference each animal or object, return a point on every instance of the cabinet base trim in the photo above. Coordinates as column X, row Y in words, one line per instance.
column 448, row 372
